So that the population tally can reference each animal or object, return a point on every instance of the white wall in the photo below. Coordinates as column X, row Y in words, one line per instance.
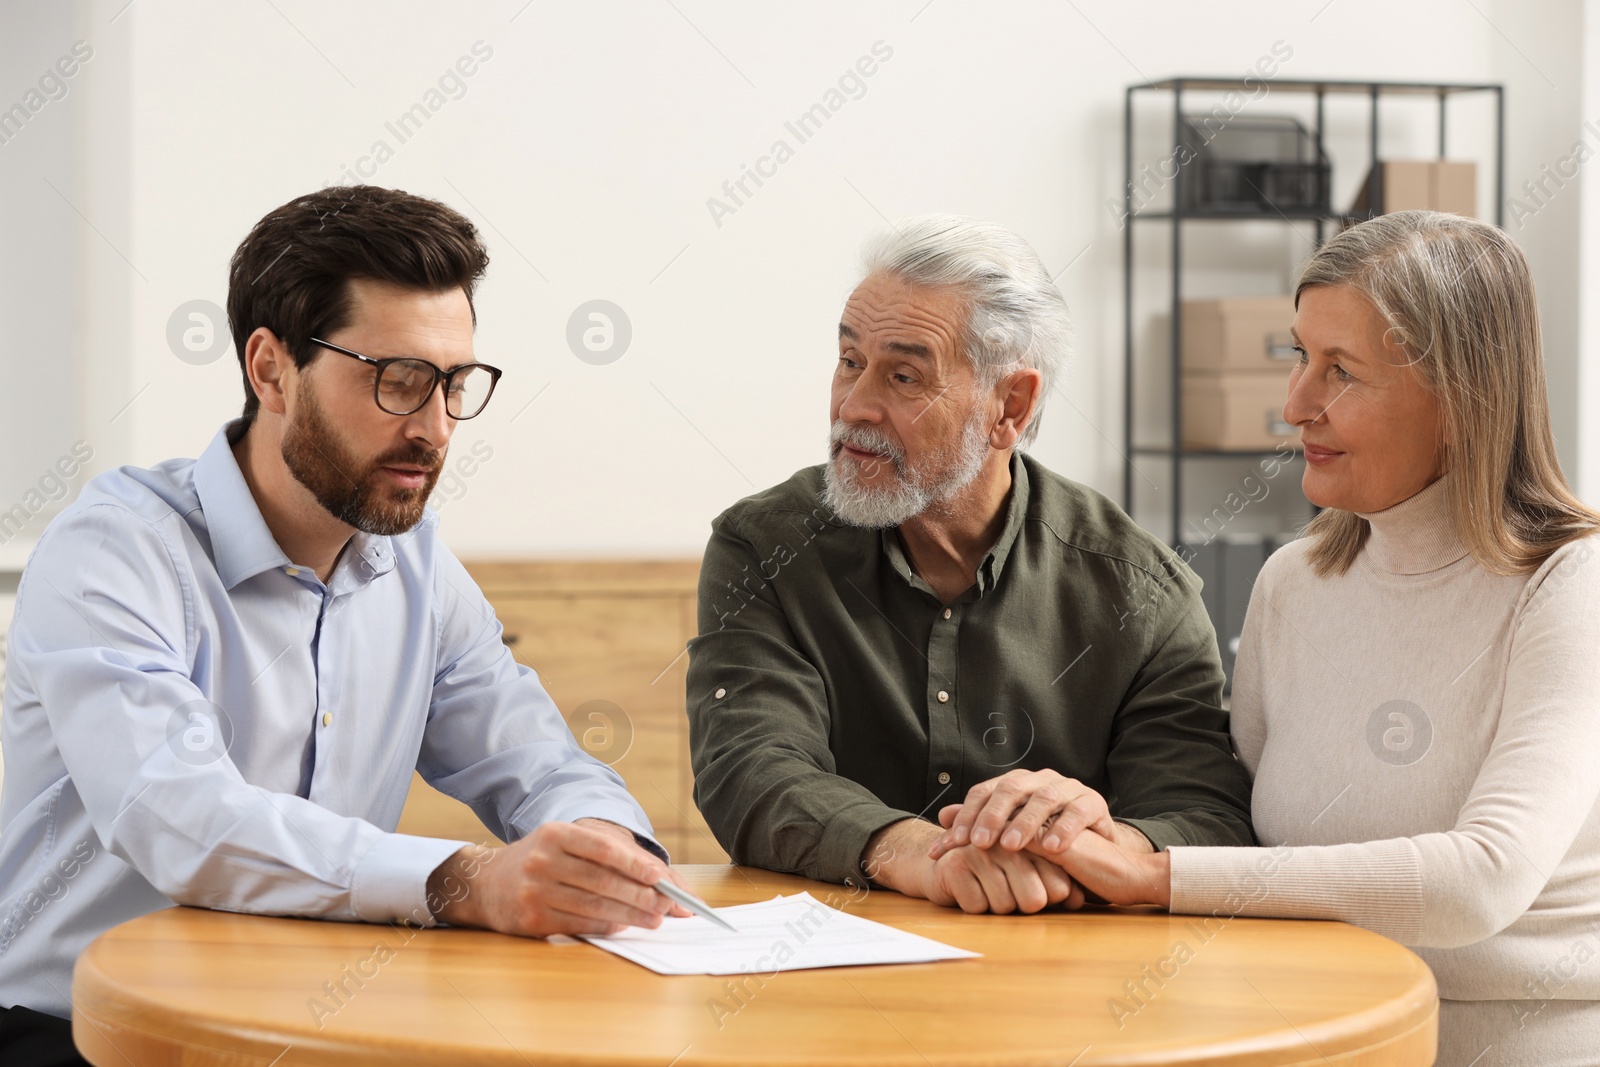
column 1538, row 52
column 1588, row 389
column 587, row 147
column 41, row 178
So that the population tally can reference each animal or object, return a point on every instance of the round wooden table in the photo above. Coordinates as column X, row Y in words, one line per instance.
column 1103, row 986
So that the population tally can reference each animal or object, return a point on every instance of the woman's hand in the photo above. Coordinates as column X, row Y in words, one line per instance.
column 1115, row 875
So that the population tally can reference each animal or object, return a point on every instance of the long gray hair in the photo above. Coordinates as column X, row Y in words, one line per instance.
column 1016, row 317
column 1458, row 298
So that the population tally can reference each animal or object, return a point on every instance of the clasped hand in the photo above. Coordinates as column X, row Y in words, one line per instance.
column 1028, row 840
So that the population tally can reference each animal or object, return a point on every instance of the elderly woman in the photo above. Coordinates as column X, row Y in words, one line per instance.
column 1417, row 695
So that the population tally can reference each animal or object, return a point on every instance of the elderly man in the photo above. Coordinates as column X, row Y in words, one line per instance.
column 933, row 616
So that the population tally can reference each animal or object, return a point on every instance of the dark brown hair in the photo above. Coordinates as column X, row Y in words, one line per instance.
column 292, row 273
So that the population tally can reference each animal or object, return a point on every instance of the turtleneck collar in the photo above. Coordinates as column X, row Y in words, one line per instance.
column 1416, row 535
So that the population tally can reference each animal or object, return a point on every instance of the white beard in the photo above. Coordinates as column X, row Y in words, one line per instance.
column 940, row 478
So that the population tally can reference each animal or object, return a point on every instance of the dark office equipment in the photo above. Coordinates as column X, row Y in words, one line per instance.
column 1253, row 165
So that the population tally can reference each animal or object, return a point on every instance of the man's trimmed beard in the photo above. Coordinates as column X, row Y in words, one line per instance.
column 935, row 481
column 353, row 492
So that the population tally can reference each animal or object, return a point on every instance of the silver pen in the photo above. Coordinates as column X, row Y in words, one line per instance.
column 693, row 903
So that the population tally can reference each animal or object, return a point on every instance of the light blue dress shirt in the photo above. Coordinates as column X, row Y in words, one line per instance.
column 189, row 718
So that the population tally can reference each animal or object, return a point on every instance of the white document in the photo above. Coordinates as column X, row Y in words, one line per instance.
column 782, row 934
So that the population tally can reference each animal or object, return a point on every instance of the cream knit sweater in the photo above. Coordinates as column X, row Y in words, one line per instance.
column 1424, row 738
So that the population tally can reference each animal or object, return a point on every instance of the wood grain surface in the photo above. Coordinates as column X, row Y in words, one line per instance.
column 1103, row 986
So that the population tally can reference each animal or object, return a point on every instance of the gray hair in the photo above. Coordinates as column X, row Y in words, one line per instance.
column 1016, row 317
column 1458, row 297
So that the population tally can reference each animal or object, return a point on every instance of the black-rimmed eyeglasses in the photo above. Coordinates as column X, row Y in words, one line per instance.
column 405, row 384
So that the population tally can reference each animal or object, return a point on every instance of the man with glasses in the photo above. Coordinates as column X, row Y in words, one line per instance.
column 223, row 671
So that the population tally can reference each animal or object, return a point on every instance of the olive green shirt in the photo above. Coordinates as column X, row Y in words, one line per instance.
column 831, row 693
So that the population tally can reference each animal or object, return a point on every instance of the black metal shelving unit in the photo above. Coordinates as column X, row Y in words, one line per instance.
column 1178, row 215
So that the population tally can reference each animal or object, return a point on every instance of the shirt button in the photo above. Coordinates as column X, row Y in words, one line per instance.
column 944, row 698
column 944, row 777
column 327, row 718
column 720, row 693
column 293, row 572
column 947, row 613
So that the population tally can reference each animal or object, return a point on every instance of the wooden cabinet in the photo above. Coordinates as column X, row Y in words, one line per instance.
column 608, row 640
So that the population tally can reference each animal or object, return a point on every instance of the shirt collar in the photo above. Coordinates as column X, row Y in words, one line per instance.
column 1016, row 514
column 241, row 544
column 990, row 567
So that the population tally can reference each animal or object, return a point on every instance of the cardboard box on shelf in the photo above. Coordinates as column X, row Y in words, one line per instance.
column 1456, row 188
column 1235, row 412
column 1239, row 333
column 1427, row 185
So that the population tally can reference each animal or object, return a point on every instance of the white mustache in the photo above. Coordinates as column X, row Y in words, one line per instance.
column 867, row 440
